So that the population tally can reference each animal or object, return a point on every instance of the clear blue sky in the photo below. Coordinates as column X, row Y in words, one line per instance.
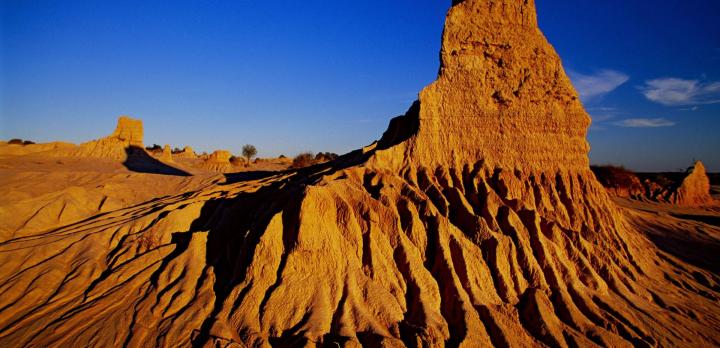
column 291, row 76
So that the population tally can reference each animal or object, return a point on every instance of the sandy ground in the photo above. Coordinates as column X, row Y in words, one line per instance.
column 690, row 234
column 40, row 192
column 88, row 241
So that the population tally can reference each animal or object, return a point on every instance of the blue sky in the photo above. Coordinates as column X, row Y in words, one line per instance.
column 292, row 76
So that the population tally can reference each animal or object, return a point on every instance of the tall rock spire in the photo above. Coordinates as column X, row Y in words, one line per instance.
column 501, row 96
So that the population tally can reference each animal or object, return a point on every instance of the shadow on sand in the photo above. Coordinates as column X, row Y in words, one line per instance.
column 690, row 246
column 140, row 161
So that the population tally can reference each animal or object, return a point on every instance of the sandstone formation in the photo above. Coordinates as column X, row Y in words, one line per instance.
column 129, row 130
column 127, row 135
column 220, row 156
column 474, row 221
column 691, row 190
column 187, row 152
column 166, row 155
column 694, row 189
column 218, row 161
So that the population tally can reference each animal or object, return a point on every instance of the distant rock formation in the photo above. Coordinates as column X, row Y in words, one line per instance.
column 129, row 130
column 694, row 189
column 187, row 152
column 128, row 133
column 218, row 161
column 690, row 189
column 166, row 155
column 220, row 156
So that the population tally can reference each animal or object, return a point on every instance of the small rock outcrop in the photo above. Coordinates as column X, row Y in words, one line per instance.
column 166, row 155
column 220, row 156
column 218, row 161
column 187, row 152
column 694, row 189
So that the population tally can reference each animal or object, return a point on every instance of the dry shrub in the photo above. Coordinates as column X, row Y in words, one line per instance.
column 617, row 177
column 325, row 156
column 304, row 159
column 154, row 149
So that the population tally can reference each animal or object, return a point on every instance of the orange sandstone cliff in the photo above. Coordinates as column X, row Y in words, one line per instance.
column 474, row 221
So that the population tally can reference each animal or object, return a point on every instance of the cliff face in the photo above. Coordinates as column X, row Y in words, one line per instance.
column 474, row 221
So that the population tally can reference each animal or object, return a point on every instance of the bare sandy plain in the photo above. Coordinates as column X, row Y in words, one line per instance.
column 475, row 220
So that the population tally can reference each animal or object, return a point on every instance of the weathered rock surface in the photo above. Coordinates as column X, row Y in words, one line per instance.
column 474, row 221
column 128, row 134
column 129, row 130
column 166, row 155
column 694, row 189
column 220, row 156
column 187, row 152
column 218, row 161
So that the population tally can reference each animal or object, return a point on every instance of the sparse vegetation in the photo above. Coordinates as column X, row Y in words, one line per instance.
column 154, row 148
column 616, row 177
column 302, row 160
column 16, row 141
column 325, row 156
column 249, row 151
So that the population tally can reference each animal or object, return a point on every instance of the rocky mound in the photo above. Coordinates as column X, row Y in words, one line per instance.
column 474, row 221
column 694, row 189
column 218, row 161
column 166, row 155
column 187, row 152
column 127, row 134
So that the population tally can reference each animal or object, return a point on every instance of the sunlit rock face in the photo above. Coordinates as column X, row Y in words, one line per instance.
column 501, row 95
column 694, row 189
column 475, row 221
column 129, row 130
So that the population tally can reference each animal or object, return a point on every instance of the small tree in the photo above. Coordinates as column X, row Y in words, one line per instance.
column 249, row 152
